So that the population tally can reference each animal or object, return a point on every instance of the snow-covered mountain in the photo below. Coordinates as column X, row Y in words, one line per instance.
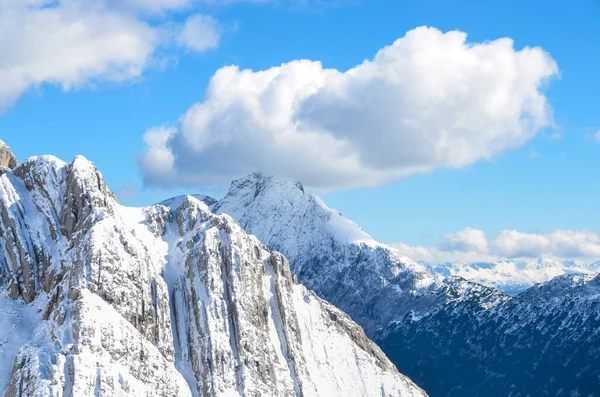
column 543, row 342
column 171, row 300
column 514, row 276
column 329, row 253
column 452, row 336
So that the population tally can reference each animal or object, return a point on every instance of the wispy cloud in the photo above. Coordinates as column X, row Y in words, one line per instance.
column 472, row 245
column 127, row 192
column 199, row 33
column 72, row 43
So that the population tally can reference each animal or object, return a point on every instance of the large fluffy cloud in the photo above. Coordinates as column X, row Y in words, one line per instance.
column 429, row 100
column 472, row 245
column 75, row 42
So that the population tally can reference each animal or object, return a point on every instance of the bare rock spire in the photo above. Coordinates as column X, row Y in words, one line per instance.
column 7, row 158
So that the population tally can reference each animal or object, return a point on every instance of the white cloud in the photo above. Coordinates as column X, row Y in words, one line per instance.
column 560, row 243
column 151, row 6
column 472, row 245
column 597, row 136
column 465, row 240
column 434, row 255
column 199, row 33
column 71, row 43
column 160, row 160
column 127, row 192
column 154, row 8
column 429, row 100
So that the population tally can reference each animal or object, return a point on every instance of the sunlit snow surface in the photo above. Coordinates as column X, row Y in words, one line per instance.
column 17, row 323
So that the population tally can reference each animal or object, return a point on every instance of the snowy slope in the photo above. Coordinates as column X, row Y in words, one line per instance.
column 17, row 322
column 543, row 342
column 514, row 276
column 272, row 335
column 66, row 250
column 101, row 299
column 454, row 337
column 330, row 254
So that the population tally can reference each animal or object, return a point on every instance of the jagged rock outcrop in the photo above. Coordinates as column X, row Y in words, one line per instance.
column 67, row 251
column 453, row 337
column 251, row 328
column 170, row 300
column 7, row 158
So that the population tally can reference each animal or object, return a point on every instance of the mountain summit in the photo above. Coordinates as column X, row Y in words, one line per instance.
column 332, row 255
column 7, row 158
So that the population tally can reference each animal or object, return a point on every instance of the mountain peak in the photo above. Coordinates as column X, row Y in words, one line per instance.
column 324, row 247
column 7, row 158
column 267, row 190
column 259, row 182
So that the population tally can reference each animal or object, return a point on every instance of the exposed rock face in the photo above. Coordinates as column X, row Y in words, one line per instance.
column 7, row 158
column 163, row 301
column 92, row 279
column 453, row 337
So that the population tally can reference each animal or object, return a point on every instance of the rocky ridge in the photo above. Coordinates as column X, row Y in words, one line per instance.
column 7, row 158
column 165, row 300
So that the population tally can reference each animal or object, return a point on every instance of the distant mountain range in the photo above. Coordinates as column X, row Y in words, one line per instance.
column 514, row 276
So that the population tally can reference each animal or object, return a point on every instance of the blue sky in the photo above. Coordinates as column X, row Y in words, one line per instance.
column 548, row 183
